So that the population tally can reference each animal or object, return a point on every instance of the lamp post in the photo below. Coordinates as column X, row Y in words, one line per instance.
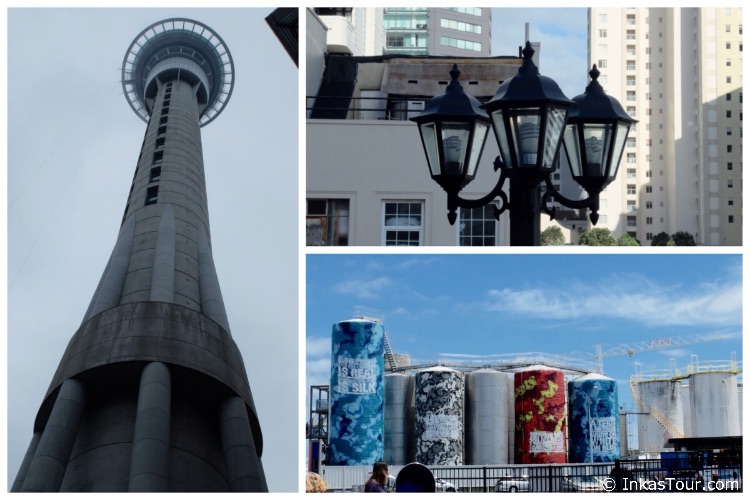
column 531, row 119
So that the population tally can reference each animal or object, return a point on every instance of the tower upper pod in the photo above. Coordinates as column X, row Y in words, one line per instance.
column 184, row 47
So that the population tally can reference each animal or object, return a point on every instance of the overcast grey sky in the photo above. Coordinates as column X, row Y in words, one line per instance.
column 73, row 143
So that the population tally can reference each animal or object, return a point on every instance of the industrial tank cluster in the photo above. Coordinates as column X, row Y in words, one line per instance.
column 703, row 401
column 533, row 415
column 443, row 416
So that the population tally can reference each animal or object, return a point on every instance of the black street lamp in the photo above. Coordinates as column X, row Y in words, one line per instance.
column 531, row 118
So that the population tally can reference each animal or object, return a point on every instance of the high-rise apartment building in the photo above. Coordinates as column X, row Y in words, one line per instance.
column 374, row 31
column 679, row 73
column 452, row 31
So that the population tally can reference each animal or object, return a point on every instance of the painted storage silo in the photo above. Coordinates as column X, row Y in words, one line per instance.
column 714, row 404
column 662, row 418
column 439, row 416
column 687, row 414
column 399, row 419
column 357, row 393
column 511, row 402
column 593, row 420
column 539, row 394
column 486, row 417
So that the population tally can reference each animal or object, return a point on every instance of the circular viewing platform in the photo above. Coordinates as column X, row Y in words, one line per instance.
column 178, row 46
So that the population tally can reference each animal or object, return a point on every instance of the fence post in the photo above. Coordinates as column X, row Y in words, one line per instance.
column 549, row 476
column 484, row 478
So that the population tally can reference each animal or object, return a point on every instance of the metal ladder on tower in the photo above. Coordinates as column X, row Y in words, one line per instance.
column 388, row 352
column 656, row 414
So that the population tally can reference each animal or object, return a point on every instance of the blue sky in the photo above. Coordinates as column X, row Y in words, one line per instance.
column 562, row 304
column 562, row 33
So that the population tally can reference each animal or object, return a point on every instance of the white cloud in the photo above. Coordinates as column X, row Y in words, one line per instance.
column 318, row 346
column 363, row 289
column 650, row 304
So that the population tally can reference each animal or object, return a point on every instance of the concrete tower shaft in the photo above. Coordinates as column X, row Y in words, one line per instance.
column 151, row 393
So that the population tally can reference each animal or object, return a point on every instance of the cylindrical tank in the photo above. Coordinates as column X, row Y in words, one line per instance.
column 687, row 414
column 594, row 427
column 662, row 404
column 486, row 417
column 357, row 393
column 539, row 393
column 439, row 417
column 399, row 419
column 714, row 404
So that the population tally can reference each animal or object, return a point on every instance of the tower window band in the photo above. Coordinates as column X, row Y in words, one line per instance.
column 152, row 194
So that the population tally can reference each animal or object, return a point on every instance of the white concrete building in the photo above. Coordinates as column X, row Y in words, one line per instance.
column 679, row 72
column 367, row 176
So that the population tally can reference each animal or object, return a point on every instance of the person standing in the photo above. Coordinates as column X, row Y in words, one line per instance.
column 378, row 481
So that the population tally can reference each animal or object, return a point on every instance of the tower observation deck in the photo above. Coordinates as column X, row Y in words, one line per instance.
column 151, row 393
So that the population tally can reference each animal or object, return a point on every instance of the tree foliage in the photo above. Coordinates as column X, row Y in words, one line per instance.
column 598, row 237
column 627, row 241
column 553, row 235
column 680, row 239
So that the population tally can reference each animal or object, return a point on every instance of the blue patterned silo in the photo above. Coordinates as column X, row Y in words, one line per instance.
column 594, row 426
column 357, row 393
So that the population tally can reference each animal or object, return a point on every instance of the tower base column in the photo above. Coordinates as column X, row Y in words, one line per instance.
column 47, row 468
column 244, row 469
column 149, row 463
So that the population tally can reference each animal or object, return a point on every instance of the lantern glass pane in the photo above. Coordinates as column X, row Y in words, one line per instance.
column 498, row 125
column 596, row 137
column 480, row 135
column 455, row 145
column 572, row 150
column 429, row 141
column 622, row 135
column 525, row 125
column 553, row 134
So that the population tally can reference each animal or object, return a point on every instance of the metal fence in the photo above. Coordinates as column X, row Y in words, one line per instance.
column 623, row 475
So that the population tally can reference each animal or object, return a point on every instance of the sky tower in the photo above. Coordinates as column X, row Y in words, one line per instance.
column 151, row 393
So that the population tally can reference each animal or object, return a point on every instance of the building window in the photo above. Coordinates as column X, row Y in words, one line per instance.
column 460, row 44
column 403, row 223
column 631, row 142
column 631, row 221
column 729, row 130
column 602, row 18
column 158, row 156
column 161, row 130
column 649, row 220
column 729, row 148
column 155, row 174
column 602, row 33
column 328, row 222
column 630, row 96
column 729, row 165
column 730, row 183
column 152, row 194
column 631, row 173
column 163, row 120
column 477, row 227
column 601, row 63
column 460, row 26
column 649, row 236
column 648, row 174
column 729, row 113
column 165, row 111
column 731, row 219
column 630, row 206
column 160, row 142
column 630, row 66
column 630, row 81
column 730, row 201
column 631, row 188
column 649, row 204
column 631, row 158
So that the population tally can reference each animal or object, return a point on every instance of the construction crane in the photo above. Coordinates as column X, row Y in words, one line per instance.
column 655, row 344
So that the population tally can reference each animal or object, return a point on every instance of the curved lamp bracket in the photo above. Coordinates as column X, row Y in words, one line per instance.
column 455, row 201
column 592, row 202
